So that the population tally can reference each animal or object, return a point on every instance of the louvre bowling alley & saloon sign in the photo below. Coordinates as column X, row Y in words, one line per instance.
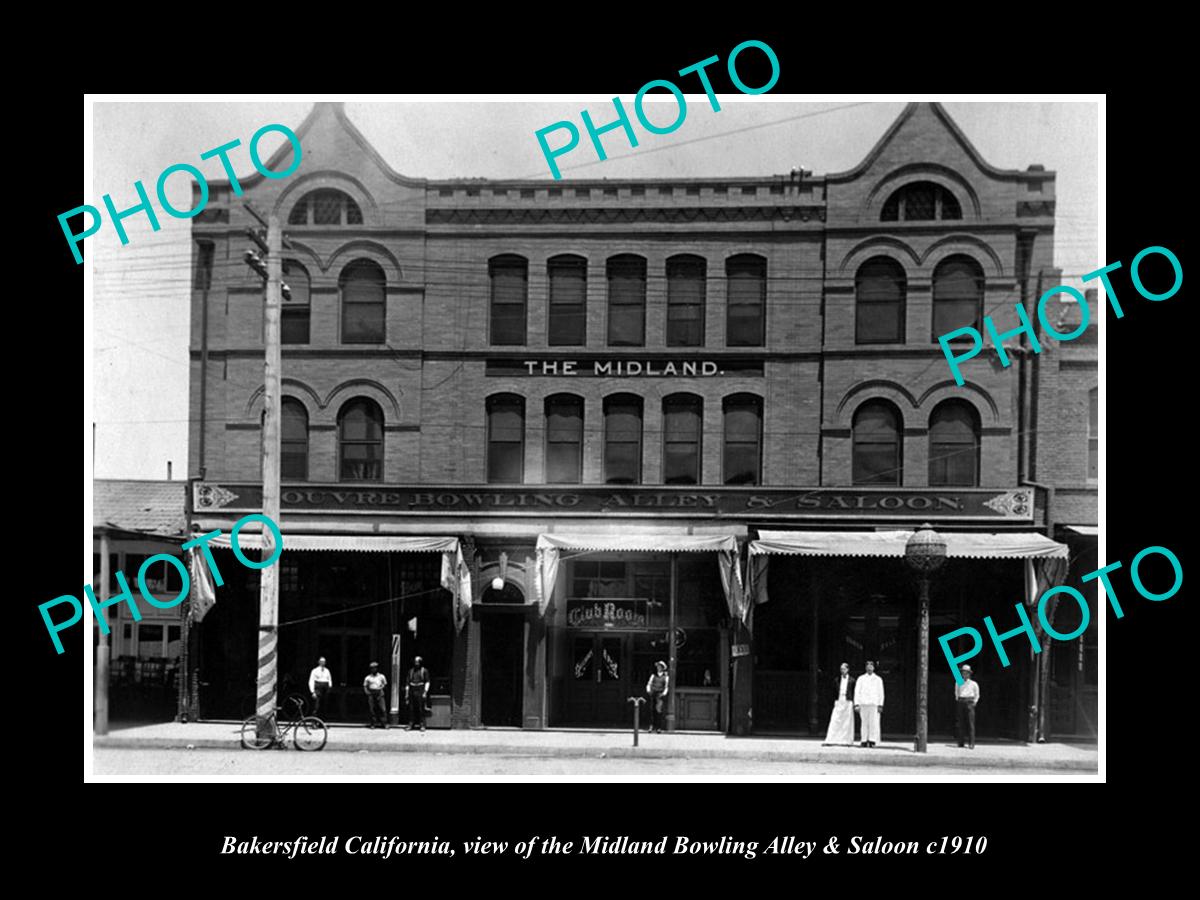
column 598, row 501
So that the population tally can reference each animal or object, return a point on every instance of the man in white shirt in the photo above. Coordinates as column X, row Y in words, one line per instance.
column 319, row 682
column 966, row 695
column 868, row 700
column 373, row 687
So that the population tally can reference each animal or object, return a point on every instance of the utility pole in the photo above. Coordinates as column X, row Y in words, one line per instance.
column 268, row 602
column 100, row 687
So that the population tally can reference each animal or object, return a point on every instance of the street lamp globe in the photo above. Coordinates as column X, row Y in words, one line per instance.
column 925, row 551
column 497, row 583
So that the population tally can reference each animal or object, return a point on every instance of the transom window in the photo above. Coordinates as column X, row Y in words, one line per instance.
column 326, row 207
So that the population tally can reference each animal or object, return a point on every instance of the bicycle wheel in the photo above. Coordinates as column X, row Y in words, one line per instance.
column 310, row 734
column 250, row 738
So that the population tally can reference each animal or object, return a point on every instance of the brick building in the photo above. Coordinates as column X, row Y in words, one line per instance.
column 608, row 396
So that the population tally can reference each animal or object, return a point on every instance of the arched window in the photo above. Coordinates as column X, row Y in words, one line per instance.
column 567, row 326
column 1093, row 434
column 954, row 445
column 921, row 201
column 746, row 302
column 326, row 207
column 683, row 415
column 505, row 439
column 360, row 441
column 626, row 301
column 957, row 295
column 742, row 462
column 877, row 446
column 623, row 439
column 295, row 318
column 685, row 300
column 564, row 439
column 879, row 291
column 364, row 303
column 293, row 443
column 509, row 276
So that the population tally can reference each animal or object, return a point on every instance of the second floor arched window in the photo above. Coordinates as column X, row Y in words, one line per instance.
column 505, row 439
column 879, row 294
column 683, row 416
column 623, row 439
column 293, row 325
column 293, row 440
column 877, row 449
column 564, row 439
column 360, row 441
column 957, row 295
column 363, row 290
column 954, row 445
column 742, row 462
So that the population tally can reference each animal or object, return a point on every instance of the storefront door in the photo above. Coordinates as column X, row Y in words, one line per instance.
column 501, row 660
column 347, row 654
column 599, row 687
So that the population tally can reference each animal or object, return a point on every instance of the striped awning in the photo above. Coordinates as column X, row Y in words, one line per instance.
column 1004, row 545
column 668, row 543
column 370, row 543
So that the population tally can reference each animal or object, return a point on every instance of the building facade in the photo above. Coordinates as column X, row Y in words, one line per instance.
column 604, row 394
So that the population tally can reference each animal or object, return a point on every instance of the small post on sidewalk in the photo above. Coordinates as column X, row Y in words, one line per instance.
column 637, row 713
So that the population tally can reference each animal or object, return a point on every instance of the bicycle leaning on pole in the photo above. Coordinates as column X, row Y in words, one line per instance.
column 308, row 732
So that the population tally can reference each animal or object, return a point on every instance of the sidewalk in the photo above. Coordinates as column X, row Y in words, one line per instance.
column 581, row 743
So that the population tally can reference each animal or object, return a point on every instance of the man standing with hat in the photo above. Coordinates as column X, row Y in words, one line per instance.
column 868, row 700
column 373, row 686
column 415, row 692
column 657, row 687
column 966, row 695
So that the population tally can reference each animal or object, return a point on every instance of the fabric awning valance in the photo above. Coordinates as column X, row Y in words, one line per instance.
column 1085, row 530
column 667, row 543
column 1003, row 545
column 371, row 543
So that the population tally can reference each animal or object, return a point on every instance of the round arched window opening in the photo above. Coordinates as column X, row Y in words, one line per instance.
column 509, row 594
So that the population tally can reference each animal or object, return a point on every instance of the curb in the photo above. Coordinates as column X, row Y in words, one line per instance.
column 884, row 758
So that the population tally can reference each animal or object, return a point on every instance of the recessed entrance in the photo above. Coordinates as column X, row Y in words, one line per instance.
column 501, row 658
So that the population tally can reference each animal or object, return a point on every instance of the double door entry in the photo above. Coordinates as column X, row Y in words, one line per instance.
column 599, row 679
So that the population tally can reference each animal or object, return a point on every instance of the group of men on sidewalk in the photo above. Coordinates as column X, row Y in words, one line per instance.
column 416, row 693
column 865, row 694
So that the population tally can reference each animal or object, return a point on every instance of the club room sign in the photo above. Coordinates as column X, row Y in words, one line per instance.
column 611, row 614
column 755, row 503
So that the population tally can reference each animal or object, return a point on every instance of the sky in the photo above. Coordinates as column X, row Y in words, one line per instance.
column 139, row 336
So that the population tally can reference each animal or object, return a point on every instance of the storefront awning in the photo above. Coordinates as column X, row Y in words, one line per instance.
column 1086, row 530
column 666, row 543
column 371, row 543
column 550, row 546
column 1007, row 545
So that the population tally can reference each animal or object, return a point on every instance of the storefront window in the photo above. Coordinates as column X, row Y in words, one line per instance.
column 150, row 641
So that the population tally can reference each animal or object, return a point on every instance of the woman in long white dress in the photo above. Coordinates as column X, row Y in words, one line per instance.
column 841, row 721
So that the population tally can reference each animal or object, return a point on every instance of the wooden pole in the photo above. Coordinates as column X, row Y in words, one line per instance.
column 814, row 661
column 673, row 685
column 923, row 671
column 268, row 603
column 100, row 686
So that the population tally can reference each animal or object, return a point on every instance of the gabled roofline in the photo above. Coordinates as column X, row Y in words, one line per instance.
column 957, row 133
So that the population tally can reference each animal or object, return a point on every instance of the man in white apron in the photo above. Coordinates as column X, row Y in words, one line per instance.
column 868, row 700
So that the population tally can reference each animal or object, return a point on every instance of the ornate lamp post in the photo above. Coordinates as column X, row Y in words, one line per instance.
column 925, row 552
